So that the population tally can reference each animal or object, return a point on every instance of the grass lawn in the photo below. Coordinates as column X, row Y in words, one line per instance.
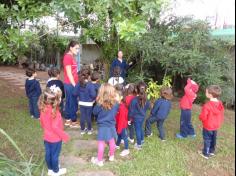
column 170, row 158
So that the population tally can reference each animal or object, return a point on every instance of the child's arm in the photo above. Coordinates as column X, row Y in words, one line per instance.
column 187, row 88
column 130, row 110
column 204, row 113
column 96, row 110
column 155, row 108
column 62, row 90
column 59, row 131
column 92, row 92
column 38, row 88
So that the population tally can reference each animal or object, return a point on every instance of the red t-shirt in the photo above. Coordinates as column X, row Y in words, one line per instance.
column 69, row 60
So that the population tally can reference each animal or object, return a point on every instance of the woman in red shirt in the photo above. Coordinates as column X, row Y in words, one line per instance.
column 70, row 80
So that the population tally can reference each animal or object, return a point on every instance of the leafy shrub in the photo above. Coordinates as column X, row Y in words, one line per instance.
column 153, row 90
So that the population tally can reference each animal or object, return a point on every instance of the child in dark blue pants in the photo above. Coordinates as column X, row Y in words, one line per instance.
column 86, row 91
column 159, row 113
column 33, row 91
column 137, row 110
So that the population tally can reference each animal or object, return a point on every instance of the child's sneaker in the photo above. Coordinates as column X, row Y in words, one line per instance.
column 192, row 136
column 74, row 125
column 89, row 132
column 149, row 135
column 117, row 147
column 67, row 123
column 122, row 141
column 131, row 140
column 142, row 142
column 211, row 154
column 50, row 172
column 204, row 156
column 137, row 147
column 83, row 131
column 179, row 136
column 124, row 152
column 111, row 158
column 61, row 171
column 95, row 161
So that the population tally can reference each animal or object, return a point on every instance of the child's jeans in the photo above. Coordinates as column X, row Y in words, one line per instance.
column 123, row 135
column 101, row 147
column 33, row 106
column 52, row 152
column 71, row 105
column 131, row 130
column 186, row 127
column 160, row 122
column 85, row 117
column 209, row 138
column 138, row 125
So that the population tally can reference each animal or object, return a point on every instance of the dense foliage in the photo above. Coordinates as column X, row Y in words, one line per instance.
column 184, row 48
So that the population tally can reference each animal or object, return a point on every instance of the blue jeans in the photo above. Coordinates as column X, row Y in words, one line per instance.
column 71, row 105
column 52, row 152
column 160, row 122
column 209, row 138
column 86, row 117
column 138, row 125
column 33, row 106
column 123, row 135
column 186, row 127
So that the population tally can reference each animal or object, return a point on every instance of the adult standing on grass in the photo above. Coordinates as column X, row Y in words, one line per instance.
column 70, row 80
column 120, row 62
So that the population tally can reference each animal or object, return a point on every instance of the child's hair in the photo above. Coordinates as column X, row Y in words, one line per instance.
column 51, row 96
column 53, row 72
column 214, row 90
column 95, row 76
column 142, row 96
column 120, row 89
column 83, row 76
column 130, row 89
column 71, row 44
column 30, row 71
column 166, row 93
column 116, row 71
column 107, row 96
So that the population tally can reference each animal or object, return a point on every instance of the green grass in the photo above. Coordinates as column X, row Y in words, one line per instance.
column 170, row 158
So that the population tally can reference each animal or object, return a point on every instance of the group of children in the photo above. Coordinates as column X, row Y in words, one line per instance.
column 120, row 111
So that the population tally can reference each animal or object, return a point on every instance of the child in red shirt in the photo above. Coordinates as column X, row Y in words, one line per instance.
column 52, row 125
column 190, row 94
column 212, row 116
column 122, row 119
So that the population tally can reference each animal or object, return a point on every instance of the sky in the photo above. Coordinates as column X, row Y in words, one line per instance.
column 225, row 10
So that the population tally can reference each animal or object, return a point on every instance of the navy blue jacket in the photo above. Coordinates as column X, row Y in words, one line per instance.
column 32, row 88
column 123, row 66
column 136, row 111
column 87, row 93
column 96, row 87
column 59, row 84
column 105, row 118
column 161, row 108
